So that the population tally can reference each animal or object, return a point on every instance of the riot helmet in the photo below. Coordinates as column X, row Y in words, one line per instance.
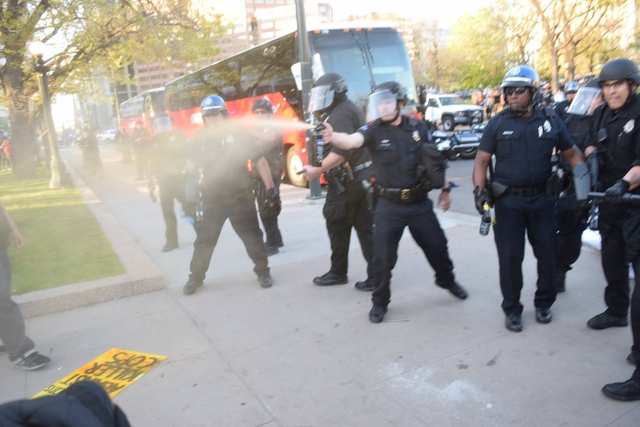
column 587, row 99
column 522, row 76
column 620, row 69
column 571, row 87
column 329, row 90
column 213, row 105
column 263, row 104
column 384, row 101
column 593, row 83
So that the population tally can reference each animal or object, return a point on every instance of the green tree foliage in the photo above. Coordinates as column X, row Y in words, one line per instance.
column 562, row 39
column 478, row 49
column 87, row 36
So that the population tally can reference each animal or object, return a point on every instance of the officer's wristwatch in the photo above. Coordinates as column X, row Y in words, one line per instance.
column 448, row 188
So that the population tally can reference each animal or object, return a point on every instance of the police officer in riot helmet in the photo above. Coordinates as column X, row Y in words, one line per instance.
column 572, row 215
column 221, row 151
column 396, row 143
column 570, row 90
column 614, row 134
column 168, row 157
column 523, row 138
column 271, row 143
column 347, row 173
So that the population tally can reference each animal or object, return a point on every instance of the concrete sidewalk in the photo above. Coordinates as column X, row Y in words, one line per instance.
column 302, row 355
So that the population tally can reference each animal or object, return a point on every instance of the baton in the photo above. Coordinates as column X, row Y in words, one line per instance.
column 627, row 198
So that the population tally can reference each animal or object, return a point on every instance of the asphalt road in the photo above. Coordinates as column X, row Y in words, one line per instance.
column 459, row 173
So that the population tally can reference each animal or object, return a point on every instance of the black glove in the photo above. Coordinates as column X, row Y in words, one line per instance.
column 272, row 204
column 616, row 191
column 481, row 198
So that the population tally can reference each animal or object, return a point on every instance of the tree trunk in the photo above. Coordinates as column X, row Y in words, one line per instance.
column 554, row 69
column 18, row 105
column 571, row 62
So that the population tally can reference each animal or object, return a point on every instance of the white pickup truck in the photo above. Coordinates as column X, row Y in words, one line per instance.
column 450, row 111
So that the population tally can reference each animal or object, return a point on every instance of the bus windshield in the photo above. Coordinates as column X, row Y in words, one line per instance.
column 365, row 59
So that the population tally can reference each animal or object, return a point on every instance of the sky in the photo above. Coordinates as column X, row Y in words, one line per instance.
column 446, row 12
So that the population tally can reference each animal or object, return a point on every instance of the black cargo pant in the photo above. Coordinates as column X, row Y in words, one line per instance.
column 270, row 224
column 620, row 230
column 631, row 234
column 390, row 221
column 342, row 212
column 171, row 188
column 241, row 211
column 635, row 318
column 572, row 221
column 535, row 216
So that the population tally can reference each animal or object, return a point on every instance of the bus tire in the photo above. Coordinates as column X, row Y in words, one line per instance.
column 294, row 164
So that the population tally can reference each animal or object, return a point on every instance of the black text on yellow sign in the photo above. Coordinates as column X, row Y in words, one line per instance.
column 115, row 370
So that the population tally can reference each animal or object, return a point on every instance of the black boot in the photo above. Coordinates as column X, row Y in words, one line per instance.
column 626, row 391
column 330, row 278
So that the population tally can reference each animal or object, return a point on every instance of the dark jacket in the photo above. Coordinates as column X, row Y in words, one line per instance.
column 83, row 404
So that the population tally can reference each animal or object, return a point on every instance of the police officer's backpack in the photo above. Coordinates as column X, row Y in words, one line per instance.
column 432, row 163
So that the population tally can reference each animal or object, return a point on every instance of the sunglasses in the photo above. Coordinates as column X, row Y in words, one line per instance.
column 612, row 85
column 517, row 90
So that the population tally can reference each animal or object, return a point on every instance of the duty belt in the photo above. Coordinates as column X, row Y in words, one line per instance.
column 361, row 166
column 403, row 195
column 526, row 191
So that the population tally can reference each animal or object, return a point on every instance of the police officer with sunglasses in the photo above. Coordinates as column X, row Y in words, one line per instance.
column 523, row 138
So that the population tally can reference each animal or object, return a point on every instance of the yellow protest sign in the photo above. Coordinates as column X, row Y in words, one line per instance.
column 115, row 370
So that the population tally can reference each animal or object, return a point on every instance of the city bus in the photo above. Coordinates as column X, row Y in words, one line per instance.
column 365, row 54
column 142, row 108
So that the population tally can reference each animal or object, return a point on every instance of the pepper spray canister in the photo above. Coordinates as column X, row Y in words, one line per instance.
column 485, row 222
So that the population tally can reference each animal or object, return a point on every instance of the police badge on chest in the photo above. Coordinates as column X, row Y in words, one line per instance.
column 416, row 136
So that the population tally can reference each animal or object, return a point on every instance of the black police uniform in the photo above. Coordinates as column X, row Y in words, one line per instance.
column 395, row 151
column 561, row 109
column 348, row 209
column 169, row 156
column 619, row 224
column 226, row 193
column 571, row 215
column 523, row 147
column 273, row 156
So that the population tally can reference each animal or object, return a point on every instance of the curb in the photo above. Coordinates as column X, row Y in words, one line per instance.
column 142, row 275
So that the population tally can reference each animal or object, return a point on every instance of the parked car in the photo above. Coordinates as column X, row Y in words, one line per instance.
column 450, row 111
column 464, row 94
column 108, row 135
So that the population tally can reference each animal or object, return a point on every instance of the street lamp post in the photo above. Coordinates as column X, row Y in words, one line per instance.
column 58, row 175
column 304, row 56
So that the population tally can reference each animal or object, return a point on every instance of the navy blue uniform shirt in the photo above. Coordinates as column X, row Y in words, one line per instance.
column 395, row 151
column 523, row 146
column 346, row 117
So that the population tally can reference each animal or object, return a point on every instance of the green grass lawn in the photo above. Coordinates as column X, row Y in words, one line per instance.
column 63, row 242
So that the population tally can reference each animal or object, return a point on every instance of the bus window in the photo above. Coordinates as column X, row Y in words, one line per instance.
column 365, row 59
column 157, row 102
column 389, row 60
column 342, row 53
